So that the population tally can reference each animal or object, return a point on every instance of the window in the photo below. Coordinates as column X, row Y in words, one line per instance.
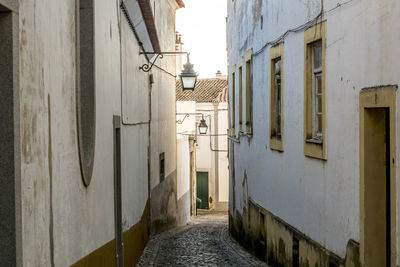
column 276, row 98
column 162, row 167
column 316, row 53
column 240, row 95
column 314, row 103
column 233, row 99
column 249, row 91
column 85, row 88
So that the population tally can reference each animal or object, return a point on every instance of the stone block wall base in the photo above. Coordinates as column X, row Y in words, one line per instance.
column 280, row 244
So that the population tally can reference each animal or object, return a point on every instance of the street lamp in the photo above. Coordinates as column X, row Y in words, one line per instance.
column 188, row 76
column 203, row 126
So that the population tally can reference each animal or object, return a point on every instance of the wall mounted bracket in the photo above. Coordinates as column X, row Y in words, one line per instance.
column 148, row 66
column 186, row 115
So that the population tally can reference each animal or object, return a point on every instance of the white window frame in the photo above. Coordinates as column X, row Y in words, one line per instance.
column 278, row 92
column 316, row 72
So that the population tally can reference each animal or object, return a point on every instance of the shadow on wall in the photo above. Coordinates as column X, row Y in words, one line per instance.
column 134, row 239
column 164, row 205
column 279, row 244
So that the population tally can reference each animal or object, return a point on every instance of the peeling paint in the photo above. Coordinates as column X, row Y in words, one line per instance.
column 247, row 230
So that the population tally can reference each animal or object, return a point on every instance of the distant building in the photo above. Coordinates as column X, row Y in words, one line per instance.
column 314, row 128
column 209, row 180
column 88, row 162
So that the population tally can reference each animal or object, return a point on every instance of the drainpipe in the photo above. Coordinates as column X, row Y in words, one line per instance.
column 215, row 135
column 195, row 148
column 149, row 155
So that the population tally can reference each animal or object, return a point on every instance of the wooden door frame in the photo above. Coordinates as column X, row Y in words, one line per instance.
column 379, row 97
column 11, row 234
column 119, row 250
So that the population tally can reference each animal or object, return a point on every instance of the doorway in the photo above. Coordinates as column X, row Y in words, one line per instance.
column 377, row 187
column 202, row 190
column 10, row 157
column 377, row 176
column 119, row 253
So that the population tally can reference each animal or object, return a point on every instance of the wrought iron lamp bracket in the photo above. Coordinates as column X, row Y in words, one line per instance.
column 186, row 115
column 148, row 66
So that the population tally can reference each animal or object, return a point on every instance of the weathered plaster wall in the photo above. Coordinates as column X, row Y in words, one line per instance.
column 64, row 221
column 186, row 165
column 183, row 179
column 221, row 143
column 212, row 152
column 188, row 124
column 213, row 162
column 163, row 138
column 135, row 83
column 319, row 198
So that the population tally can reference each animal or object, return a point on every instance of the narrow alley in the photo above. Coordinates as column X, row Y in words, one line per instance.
column 199, row 133
column 205, row 241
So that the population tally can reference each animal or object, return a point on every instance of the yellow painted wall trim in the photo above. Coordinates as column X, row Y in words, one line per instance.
column 311, row 35
column 134, row 241
column 249, row 55
column 275, row 52
column 379, row 97
column 233, row 101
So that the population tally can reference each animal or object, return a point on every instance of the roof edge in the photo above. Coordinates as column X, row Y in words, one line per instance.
column 180, row 3
column 148, row 18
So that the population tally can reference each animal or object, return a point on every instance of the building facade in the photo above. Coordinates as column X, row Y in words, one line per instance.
column 84, row 128
column 313, row 131
column 209, row 182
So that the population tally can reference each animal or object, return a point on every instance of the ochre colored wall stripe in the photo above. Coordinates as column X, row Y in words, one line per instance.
column 134, row 240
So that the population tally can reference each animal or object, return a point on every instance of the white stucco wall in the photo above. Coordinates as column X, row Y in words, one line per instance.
column 184, row 166
column 320, row 198
column 183, row 179
column 163, row 129
column 83, row 217
column 187, row 125
column 215, row 163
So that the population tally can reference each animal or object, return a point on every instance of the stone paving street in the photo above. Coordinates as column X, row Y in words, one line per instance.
column 204, row 242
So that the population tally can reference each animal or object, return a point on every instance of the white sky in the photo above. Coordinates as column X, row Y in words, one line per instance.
column 202, row 24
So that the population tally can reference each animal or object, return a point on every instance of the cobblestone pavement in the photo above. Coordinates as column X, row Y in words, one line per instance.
column 203, row 242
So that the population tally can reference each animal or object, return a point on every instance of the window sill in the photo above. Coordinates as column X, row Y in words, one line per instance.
column 315, row 149
column 276, row 143
column 314, row 141
column 248, row 135
column 234, row 139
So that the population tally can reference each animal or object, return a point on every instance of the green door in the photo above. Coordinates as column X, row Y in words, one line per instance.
column 202, row 189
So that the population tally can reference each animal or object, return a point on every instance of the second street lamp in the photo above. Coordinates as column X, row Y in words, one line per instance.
column 188, row 76
column 203, row 127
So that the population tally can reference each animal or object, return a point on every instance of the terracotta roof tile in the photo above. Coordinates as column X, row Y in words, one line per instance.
column 207, row 90
column 222, row 96
column 180, row 3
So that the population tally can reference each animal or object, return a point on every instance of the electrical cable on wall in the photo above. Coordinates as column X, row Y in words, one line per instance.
column 301, row 27
column 295, row 30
